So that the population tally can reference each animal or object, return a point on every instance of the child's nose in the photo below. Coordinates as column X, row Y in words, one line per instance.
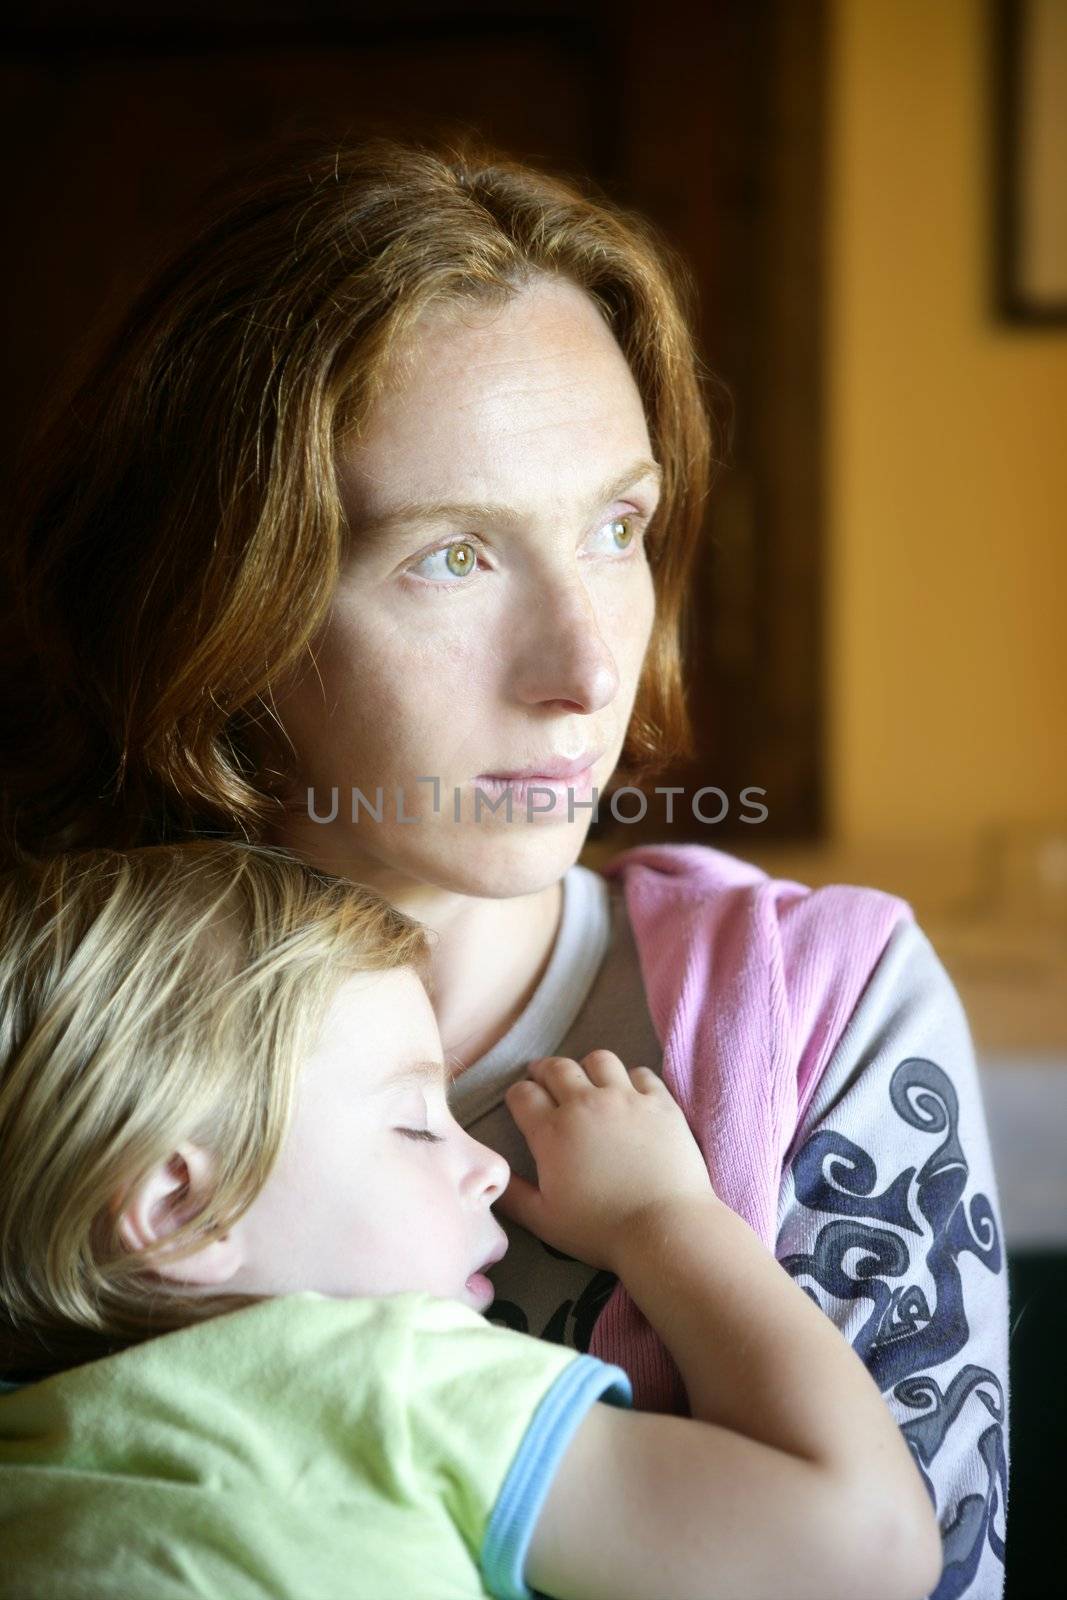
column 491, row 1172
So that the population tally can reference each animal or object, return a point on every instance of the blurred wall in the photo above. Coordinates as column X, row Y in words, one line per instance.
column 946, row 466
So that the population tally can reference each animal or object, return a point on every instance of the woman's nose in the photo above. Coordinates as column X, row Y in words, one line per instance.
column 562, row 655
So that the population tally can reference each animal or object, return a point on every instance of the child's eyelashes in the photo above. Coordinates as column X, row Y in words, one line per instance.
column 421, row 1133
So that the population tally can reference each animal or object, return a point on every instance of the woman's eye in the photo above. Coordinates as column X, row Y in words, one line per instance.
column 456, row 560
column 620, row 534
column 421, row 1133
column 453, row 563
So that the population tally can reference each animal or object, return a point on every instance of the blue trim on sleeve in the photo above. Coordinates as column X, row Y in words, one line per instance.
column 554, row 1423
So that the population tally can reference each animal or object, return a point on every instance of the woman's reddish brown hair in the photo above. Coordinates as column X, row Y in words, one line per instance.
column 179, row 532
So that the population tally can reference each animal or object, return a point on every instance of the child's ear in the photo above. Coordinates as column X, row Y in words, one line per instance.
column 171, row 1194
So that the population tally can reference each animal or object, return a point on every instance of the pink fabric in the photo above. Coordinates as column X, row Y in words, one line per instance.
column 750, row 982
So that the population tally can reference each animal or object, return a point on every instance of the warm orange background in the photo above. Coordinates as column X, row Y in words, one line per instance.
column 946, row 454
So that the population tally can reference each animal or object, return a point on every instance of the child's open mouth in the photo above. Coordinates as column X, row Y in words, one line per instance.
column 481, row 1289
column 478, row 1284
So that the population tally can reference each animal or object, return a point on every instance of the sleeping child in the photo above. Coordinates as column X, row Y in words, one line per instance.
column 243, row 1256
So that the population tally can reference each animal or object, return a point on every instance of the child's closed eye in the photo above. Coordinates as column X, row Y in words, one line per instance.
column 420, row 1133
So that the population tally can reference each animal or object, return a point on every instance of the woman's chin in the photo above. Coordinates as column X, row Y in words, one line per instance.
column 521, row 862
column 492, row 859
column 498, row 861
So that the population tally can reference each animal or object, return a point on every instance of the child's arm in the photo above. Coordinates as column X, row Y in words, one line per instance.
column 796, row 1483
column 794, row 1479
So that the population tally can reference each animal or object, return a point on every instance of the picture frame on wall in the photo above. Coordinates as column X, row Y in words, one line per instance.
column 1030, row 67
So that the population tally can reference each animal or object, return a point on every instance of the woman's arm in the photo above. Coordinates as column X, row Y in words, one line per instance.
column 794, row 1482
column 889, row 1219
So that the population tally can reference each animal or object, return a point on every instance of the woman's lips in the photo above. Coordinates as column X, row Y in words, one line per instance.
column 540, row 795
column 552, row 769
column 559, row 781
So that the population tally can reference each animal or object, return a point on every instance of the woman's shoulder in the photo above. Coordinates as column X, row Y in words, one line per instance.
column 793, row 958
column 728, row 887
column 696, row 866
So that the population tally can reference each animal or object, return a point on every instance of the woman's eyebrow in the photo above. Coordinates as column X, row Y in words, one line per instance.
column 400, row 516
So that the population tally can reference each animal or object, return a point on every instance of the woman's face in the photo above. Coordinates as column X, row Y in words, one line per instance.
column 495, row 608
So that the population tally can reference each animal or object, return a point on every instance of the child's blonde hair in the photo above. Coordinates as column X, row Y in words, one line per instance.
column 146, row 997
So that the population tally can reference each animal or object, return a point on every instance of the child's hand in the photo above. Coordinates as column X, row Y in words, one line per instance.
column 609, row 1144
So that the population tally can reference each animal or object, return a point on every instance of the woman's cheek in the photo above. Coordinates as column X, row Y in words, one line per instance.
column 627, row 612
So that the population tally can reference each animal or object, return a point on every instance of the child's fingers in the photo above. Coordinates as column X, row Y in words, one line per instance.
column 527, row 1101
column 604, row 1068
column 559, row 1075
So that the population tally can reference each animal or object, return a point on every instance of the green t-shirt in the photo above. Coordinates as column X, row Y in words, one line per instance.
column 303, row 1448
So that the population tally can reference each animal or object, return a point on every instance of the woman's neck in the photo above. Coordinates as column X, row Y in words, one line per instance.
column 487, row 963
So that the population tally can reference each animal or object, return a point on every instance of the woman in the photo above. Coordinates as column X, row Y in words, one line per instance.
column 373, row 524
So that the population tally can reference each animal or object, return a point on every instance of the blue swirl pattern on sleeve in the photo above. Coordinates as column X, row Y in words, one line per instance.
column 890, row 1223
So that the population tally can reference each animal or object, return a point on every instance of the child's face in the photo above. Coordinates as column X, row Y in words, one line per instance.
column 358, row 1203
